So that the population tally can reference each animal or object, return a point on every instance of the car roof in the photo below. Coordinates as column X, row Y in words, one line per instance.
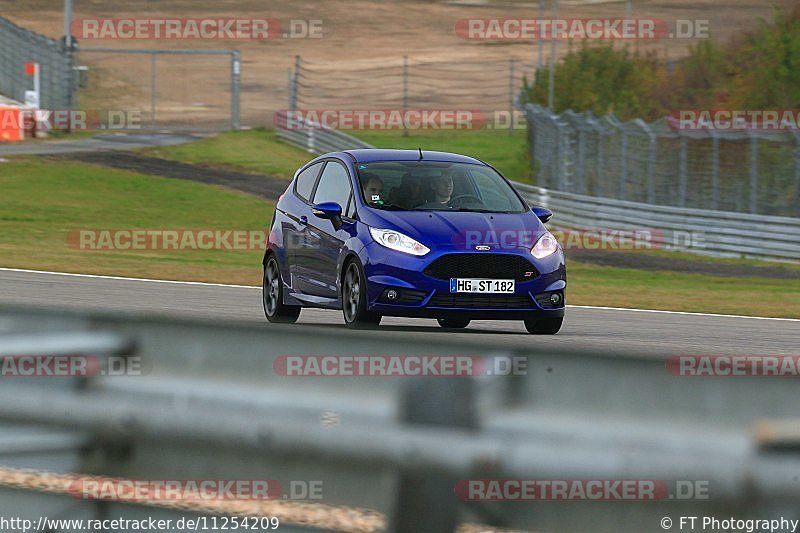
column 369, row 155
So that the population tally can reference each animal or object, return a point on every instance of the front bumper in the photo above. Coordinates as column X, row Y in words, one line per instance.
column 423, row 296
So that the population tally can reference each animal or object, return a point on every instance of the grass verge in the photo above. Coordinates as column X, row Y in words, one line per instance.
column 44, row 202
column 257, row 150
column 507, row 153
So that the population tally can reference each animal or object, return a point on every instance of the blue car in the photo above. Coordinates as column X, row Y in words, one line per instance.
column 411, row 233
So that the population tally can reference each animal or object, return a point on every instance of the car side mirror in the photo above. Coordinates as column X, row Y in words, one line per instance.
column 543, row 214
column 329, row 210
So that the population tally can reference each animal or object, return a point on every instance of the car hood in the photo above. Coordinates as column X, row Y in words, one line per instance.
column 459, row 229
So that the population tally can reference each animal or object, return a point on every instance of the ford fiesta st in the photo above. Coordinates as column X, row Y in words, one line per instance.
column 414, row 234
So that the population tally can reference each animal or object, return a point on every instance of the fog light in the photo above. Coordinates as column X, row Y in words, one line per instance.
column 555, row 298
column 392, row 295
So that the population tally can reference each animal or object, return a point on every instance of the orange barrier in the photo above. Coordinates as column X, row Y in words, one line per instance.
column 11, row 124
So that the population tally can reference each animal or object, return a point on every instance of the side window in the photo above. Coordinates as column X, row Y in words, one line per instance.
column 306, row 180
column 334, row 185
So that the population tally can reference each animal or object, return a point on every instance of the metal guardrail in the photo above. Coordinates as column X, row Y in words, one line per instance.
column 293, row 128
column 704, row 231
column 214, row 406
column 697, row 230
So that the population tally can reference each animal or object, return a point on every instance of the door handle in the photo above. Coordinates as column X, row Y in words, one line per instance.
column 303, row 220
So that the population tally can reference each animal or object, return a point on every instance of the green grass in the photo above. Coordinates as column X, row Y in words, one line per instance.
column 260, row 150
column 257, row 151
column 507, row 153
column 44, row 202
column 677, row 291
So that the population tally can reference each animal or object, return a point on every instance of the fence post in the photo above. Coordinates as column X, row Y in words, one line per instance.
column 152, row 91
column 581, row 159
column 405, row 95
column 714, row 169
column 510, row 96
column 236, row 83
column 289, row 90
column 651, row 159
column 552, row 81
column 623, row 170
column 753, row 172
column 296, row 91
column 796, row 202
column 682, row 169
column 651, row 167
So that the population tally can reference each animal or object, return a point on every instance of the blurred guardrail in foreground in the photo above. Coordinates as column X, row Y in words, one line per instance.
column 705, row 231
column 211, row 402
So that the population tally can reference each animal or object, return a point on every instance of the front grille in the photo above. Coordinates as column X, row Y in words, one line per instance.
column 482, row 301
column 479, row 265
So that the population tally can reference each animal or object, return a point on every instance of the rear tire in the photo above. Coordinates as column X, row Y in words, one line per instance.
column 272, row 296
column 544, row 326
column 354, row 298
column 453, row 323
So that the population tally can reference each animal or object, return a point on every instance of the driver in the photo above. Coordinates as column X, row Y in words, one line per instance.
column 442, row 189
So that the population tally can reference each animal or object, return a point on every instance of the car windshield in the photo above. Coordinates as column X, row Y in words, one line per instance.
column 436, row 186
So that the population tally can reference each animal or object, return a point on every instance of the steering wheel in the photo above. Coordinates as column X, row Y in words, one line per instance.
column 461, row 199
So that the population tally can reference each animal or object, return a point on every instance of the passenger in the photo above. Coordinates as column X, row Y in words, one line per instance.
column 373, row 186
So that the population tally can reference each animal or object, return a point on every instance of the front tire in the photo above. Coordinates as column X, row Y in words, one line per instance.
column 354, row 298
column 272, row 296
column 544, row 326
column 453, row 323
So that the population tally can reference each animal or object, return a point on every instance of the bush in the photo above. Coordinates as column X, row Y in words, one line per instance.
column 760, row 70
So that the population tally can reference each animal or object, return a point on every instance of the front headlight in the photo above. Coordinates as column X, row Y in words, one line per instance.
column 546, row 245
column 397, row 241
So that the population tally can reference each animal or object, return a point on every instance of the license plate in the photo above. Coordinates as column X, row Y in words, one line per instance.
column 483, row 286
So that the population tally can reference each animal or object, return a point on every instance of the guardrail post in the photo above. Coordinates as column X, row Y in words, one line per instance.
column 753, row 172
column 425, row 498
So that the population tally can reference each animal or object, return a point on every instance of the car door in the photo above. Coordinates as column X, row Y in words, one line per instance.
column 295, row 228
column 325, row 240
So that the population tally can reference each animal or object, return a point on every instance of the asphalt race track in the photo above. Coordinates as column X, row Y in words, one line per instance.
column 657, row 334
